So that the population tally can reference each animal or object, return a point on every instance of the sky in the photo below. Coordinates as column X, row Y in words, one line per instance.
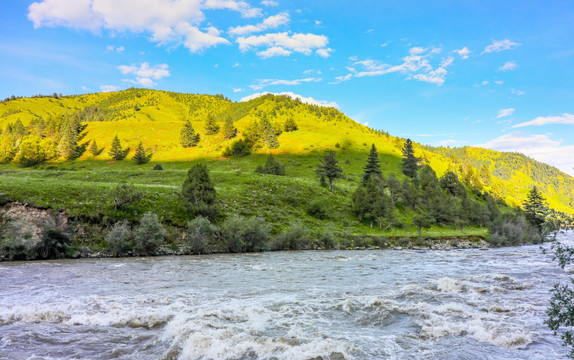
column 494, row 74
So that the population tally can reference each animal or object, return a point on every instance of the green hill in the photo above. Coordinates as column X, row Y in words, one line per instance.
column 84, row 186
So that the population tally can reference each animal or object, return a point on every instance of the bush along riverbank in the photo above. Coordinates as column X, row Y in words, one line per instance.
column 382, row 212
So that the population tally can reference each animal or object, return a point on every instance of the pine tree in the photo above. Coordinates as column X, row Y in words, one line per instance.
column 187, row 136
column 535, row 208
column 268, row 134
column 198, row 192
column 410, row 162
column 116, row 152
column 140, row 157
column 329, row 168
column 94, row 150
column 229, row 131
column 373, row 166
column 272, row 167
column 211, row 127
column 290, row 125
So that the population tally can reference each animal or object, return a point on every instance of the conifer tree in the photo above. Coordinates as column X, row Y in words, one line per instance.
column 198, row 193
column 535, row 208
column 290, row 125
column 410, row 162
column 329, row 168
column 373, row 166
column 211, row 127
column 187, row 136
column 272, row 167
column 229, row 131
column 94, row 150
column 268, row 134
column 140, row 157
column 116, row 152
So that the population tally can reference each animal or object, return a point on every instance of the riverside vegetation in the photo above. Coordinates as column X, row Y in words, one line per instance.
column 143, row 172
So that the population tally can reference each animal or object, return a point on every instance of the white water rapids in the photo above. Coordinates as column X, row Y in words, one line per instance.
column 465, row 304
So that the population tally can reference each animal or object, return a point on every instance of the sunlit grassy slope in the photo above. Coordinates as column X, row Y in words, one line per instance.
column 156, row 117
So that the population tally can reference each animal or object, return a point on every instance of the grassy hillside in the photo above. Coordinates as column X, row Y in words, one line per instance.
column 84, row 187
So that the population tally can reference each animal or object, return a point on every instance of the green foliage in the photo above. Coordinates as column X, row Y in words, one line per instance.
column 52, row 244
column 290, row 125
column 535, row 208
column 239, row 148
column 410, row 162
column 126, row 195
column 116, row 152
column 449, row 181
column 245, row 235
column 513, row 231
column 561, row 314
column 329, row 168
column 157, row 167
column 319, row 209
column 31, row 152
column 268, row 134
column 140, row 156
column 149, row 234
column 423, row 221
column 71, row 133
column 199, row 233
column 7, row 149
column 272, row 167
column 119, row 237
column 371, row 203
column 296, row 237
column 211, row 127
column 229, row 130
column 94, row 150
column 373, row 167
column 198, row 193
column 187, row 136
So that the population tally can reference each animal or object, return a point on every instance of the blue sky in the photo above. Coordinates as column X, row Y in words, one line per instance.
column 498, row 74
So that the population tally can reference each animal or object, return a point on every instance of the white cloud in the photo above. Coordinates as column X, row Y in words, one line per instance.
column 167, row 21
column 271, row 22
column 518, row 92
column 145, row 75
column 504, row 112
column 307, row 100
column 498, row 46
column 269, row 3
column 262, row 83
column 236, row 90
column 301, row 43
column 499, row 82
column 539, row 147
column 273, row 51
column 120, row 49
column 463, row 53
column 107, row 88
column 508, row 66
column 324, row 53
column 416, row 66
column 565, row 119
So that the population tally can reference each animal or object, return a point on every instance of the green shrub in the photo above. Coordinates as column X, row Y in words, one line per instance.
column 326, row 238
column 119, row 237
column 318, row 209
column 245, row 235
column 272, row 167
column 149, row 234
column 125, row 195
column 296, row 237
column 199, row 232
column 239, row 148
column 158, row 167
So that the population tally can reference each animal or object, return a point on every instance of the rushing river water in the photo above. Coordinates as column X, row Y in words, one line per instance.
column 465, row 304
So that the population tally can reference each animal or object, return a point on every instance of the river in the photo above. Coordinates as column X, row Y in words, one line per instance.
column 380, row 304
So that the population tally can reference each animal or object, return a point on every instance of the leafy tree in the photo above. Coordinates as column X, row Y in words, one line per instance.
column 290, row 125
column 7, row 149
column 140, row 156
column 187, row 135
column 272, row 167
column 370, row 203
column 229, row 131
column 125, row 194
column 116, row 152
column 211, row 127
column 31, row 152
column 373, row 166
column 535, row 208
column 198, row 193
column 410, row 162
column 199, row 231
column 149, row 234
column 422, row 221
column 94, row 150
column 329, row 168
column 239, row 148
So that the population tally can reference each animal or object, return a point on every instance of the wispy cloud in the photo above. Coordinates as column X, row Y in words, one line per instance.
column 307, row 100
column 144, row 73
column 300, row 43
column 269, row 3
column 262, row 83
column 463, row 53
column 107, row 88
column 500, row 45
column 271, row 22
column 565, row 119
column 508, row 66
column 504, row 112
